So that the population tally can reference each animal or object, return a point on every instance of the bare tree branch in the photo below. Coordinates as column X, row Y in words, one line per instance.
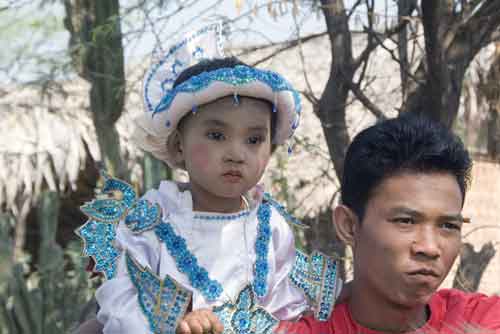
column 366, row 101
column 365, row 54
column 395, row 58
column 289, row 45
column 353, row 8
column 302, row 62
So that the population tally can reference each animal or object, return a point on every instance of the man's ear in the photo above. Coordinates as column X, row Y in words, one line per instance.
column 345, row 222
column 175, row 147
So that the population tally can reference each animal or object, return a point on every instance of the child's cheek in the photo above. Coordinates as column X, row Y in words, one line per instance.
column 200, row 156
column 262, row 163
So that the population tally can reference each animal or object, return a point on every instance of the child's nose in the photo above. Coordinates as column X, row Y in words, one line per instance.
column 234, row 153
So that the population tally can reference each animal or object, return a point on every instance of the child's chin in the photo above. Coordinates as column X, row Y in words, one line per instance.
column 232, row 192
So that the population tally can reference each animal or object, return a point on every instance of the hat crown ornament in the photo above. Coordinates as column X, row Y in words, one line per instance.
column 205, row 43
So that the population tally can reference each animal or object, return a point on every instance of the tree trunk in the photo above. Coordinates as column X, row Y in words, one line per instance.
column 472, row 266
column 97, row 54
column 494, row 132
column 332, row 105
column 20, row 229
column 405, row 8
column 491, row 91
column 451, row 43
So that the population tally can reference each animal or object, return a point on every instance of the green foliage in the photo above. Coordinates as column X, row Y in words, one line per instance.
column 53, row 298
column 6, row 222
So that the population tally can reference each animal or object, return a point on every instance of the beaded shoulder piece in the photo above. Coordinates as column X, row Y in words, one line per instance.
column 116, row 201
column 245, row 316
column 163, row 301
column 281, row 209
column 316, row 276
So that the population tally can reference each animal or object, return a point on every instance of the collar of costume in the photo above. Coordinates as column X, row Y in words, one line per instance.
column 166, row 105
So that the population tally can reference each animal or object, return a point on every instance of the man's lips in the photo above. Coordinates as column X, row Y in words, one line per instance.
column 424, row 272
column 424, row 277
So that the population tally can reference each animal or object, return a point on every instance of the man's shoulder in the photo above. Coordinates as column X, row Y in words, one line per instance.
column 455, row 296
column 472, row 307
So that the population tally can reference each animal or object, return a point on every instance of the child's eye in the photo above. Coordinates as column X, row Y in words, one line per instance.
column 215, row 135
column 255, row 140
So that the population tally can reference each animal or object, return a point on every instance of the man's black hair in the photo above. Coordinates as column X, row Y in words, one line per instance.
column 209, row 65
column 408, row 143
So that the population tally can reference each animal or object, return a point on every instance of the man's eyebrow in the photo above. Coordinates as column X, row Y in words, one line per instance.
column 414, row 213
column 407, row 211
column 457, row 217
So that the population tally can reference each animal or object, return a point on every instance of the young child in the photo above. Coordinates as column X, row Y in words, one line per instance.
column 218, row 241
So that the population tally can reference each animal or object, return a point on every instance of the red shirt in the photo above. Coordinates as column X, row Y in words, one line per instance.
column 452, row 312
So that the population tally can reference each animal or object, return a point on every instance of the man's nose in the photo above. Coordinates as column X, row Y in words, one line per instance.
column 426, row 243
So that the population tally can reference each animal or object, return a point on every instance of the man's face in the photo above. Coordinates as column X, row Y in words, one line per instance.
column 409, row 237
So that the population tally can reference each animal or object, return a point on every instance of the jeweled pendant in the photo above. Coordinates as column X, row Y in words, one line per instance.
column 245, row 316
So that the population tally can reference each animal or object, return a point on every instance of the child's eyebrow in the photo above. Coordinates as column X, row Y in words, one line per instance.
column 214, row 122
column 258, row 128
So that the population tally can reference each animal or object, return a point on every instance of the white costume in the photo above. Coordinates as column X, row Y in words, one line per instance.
column 224, row 244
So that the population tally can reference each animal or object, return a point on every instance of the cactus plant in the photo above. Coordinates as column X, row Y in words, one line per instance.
column 52, row 298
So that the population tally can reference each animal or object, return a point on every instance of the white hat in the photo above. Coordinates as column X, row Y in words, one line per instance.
column 166, row 105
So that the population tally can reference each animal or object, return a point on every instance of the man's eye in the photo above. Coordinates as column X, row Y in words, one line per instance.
column 214, row 135
column 451, row 226
column 404, row 220
column 255, row 139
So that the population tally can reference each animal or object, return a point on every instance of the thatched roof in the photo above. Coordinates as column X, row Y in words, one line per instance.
column 45, row 140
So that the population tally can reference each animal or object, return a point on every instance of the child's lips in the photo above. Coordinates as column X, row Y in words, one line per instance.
column 232, row 176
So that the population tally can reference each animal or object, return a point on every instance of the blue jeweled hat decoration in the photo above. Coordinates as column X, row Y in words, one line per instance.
column 166, row 105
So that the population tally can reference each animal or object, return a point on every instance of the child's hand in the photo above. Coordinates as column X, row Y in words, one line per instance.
column 199, row 322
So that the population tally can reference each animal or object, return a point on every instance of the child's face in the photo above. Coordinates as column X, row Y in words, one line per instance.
column 225, row 147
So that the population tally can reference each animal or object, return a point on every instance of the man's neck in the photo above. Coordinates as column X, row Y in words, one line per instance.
column 371, row 311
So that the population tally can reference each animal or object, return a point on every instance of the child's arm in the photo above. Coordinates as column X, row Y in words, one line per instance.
column 286, row 301
column 120, row 311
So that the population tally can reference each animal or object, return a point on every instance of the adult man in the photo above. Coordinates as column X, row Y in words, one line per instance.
column 403, row 190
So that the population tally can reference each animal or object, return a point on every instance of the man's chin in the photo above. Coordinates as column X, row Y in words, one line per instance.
column 419, row 297
column 411, row 296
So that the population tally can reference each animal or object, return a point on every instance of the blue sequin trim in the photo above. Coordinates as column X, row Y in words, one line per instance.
column 187, row 263
column 163, row 302
column 98, row 240
column 143, row 216
column 261, row 267
column 281, row 209
column 316, row 276
column 237, row 76
column 245, row 316
column 223, row 218
column 99, row 232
